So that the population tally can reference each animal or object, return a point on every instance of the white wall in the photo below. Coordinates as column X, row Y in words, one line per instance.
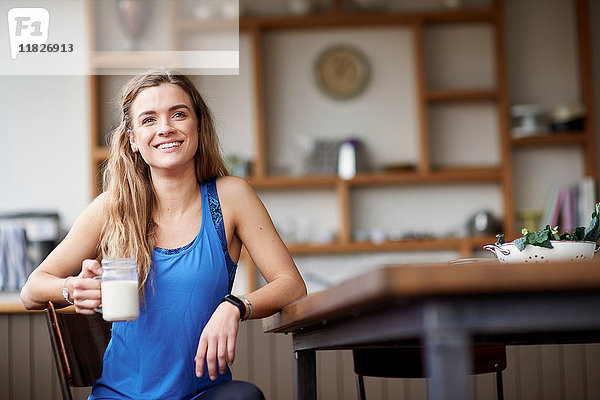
column 384, row 116
column 231, row 97
column 541, row 44
column 45, row 156
column 45, row 151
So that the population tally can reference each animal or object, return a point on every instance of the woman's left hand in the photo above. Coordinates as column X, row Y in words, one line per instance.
column 217, row 341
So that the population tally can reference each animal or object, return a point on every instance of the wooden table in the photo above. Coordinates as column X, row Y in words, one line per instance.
column 447, row 308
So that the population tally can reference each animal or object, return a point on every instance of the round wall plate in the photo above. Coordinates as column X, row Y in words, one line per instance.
column 342, row 71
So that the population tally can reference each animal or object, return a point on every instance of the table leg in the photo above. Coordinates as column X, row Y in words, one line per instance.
column 306, row 375
column 448, row 363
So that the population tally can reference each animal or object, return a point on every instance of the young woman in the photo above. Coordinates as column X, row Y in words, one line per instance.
column 169, row 203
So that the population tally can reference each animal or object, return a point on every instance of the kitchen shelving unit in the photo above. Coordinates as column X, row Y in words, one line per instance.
column 337, row 16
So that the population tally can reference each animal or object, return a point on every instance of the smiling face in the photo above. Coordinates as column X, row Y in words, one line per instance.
column 164, row 127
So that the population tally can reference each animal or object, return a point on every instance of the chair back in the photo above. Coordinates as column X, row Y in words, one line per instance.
column 78, row 343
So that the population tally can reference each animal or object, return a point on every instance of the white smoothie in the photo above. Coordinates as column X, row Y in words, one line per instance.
column 120, row 300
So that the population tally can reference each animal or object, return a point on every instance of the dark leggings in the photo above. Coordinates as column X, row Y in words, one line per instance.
column 233, row 390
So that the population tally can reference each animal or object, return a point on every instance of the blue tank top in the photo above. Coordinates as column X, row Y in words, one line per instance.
column 153, row 356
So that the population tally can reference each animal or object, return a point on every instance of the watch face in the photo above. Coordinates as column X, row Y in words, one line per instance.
column 342, row 72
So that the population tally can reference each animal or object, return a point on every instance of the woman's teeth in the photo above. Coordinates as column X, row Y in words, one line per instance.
column 169, row 145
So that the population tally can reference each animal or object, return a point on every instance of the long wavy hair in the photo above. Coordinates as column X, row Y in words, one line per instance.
column 129, row 229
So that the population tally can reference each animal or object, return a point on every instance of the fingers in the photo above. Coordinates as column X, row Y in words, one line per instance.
column 87, row 300
column 222, row 355
column 217, row 352
column 84, row 311
column 85, row 284
column 217, row 341
column 230, row 351
column 90, row 268
column 208, row 352
column 200, row 356
column 87, row 294
column 211, row 362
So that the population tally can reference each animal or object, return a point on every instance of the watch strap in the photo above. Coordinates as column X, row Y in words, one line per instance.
column 236, row 301
column 245, row 300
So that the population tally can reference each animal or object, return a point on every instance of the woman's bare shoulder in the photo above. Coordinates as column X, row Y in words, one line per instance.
column 232, row 187
column 93, row 216
column 97, row 207
column 237, row 197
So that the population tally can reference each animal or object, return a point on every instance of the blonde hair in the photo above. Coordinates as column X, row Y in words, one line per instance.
column 129, row 197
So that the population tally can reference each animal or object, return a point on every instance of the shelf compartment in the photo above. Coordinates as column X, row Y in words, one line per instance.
column 459, row 57
column 461, row 95
column 345, row 19
column 458, row 244
column 551, row 139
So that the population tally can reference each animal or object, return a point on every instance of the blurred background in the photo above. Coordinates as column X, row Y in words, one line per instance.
column 375, row 131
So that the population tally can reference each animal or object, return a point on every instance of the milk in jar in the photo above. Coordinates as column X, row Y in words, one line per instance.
column 120, row 300
column 119, row 286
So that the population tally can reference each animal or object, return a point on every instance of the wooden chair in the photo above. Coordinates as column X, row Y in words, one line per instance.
column 406, row 362
column 78, row 343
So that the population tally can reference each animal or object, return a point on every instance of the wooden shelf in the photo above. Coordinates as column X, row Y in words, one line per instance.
column 99, row 153
column 211, row 25
column 403, row 245
column 355, row 18
column 551, row 139
column 335, row 20
column 129, row 59
column 294, row 182
column 455, row 175
column 461, row 95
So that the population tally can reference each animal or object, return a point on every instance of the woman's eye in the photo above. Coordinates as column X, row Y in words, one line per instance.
column 147, row 120
column 179, row 114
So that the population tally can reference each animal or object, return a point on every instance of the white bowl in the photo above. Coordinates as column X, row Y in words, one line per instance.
column 562, row 251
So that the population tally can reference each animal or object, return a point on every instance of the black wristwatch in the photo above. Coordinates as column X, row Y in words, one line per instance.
column 236, row 302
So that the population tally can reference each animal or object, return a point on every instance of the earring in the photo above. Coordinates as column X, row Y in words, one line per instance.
column 134, row 148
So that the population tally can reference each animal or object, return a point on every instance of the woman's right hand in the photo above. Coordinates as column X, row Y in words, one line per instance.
column 86, row 290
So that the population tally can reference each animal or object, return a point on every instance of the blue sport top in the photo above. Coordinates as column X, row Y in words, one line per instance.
column 153, row 356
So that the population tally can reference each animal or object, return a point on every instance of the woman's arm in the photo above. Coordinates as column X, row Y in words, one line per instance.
column 46, row 281
column 254, row 228
column 247, row 223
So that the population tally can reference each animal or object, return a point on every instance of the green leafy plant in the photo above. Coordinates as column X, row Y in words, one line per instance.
column 542, row 238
